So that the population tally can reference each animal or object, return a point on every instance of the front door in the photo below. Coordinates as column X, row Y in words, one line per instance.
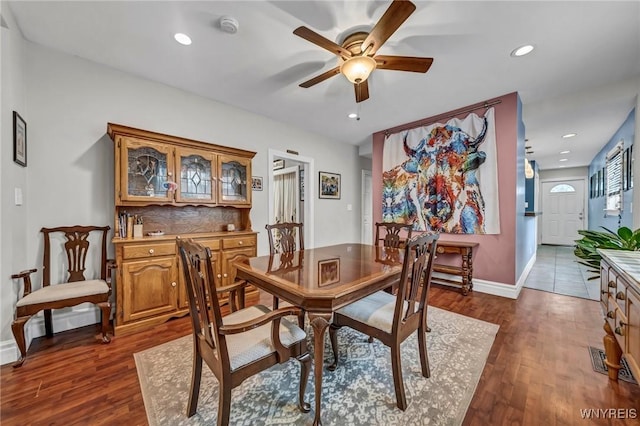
column 562, row 211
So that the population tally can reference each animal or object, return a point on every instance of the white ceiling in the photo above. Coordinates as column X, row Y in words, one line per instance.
column 582, row 77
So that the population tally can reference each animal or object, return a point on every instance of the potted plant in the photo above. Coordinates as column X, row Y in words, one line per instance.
column 586, row 248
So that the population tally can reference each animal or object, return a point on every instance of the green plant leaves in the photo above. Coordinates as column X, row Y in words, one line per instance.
column 586, row 248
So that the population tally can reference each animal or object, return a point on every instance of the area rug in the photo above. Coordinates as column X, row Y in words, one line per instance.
column 597, row 361
column 359, row 392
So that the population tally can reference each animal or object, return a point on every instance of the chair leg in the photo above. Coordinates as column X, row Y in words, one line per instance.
column 370, row 339
column 105, row 308
column 48, row 323
column 196, row 375
column 224, row 403
column 17, row 327
column 396, row 367
column 424, row 356
column 333, row 334
column 275, row 303
column 305, row 369
column 301, row 320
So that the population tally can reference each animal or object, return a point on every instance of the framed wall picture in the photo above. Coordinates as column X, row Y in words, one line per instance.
column 278, row 164
column 329, row 185
column 256, row 183
column 328, row 271
column 19, row 140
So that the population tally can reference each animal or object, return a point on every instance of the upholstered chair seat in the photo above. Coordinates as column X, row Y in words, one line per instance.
column 64, row 291
column 376, row 310
column 252, row 345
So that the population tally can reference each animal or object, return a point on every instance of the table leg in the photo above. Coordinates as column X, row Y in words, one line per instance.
column 319, row 323
column 466, row 272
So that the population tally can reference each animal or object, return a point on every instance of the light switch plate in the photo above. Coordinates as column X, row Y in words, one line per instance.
column 18, row 196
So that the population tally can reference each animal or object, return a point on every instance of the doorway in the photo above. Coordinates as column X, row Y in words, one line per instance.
column 367, row 206
column 300, row 196
column 563, row 211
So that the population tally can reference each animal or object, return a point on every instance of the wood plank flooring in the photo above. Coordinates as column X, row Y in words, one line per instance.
column 538, row 371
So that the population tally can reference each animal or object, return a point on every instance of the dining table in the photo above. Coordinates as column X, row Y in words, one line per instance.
column 322, row 280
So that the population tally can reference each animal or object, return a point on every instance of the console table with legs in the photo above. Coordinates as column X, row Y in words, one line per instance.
column 464, row 270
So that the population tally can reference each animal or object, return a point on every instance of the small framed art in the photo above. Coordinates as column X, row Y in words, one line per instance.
column 329, row 185
column 256, row 183
column 19, row 140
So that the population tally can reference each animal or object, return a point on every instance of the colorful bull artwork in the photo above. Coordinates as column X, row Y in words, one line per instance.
column 443, row 177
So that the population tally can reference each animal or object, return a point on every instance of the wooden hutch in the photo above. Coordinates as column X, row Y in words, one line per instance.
column 174, row 187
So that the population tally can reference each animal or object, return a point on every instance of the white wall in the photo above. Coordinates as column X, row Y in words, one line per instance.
column 70, row 171
column 13, row 219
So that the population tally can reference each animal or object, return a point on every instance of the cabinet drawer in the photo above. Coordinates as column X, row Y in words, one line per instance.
column 148, row 250
column 212, row 243
column 235, row 242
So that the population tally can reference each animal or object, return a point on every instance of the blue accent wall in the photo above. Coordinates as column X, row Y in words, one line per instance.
column 525, row 226
column 597, row 218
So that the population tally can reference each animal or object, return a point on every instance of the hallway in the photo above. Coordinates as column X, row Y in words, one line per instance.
column 557, row 271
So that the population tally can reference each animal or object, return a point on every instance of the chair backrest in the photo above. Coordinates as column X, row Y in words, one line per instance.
column 204, row 305
column 392, row 237
column 76, row 248
column 419, row 253
column 282, row 237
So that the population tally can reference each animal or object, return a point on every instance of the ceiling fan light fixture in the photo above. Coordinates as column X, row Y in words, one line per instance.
column 358, row 68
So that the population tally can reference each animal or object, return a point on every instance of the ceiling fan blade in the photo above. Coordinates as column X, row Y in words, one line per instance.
column 397, row 13
column 319, row 40
column 320, row 78
column 362, row 91
column 403, row 63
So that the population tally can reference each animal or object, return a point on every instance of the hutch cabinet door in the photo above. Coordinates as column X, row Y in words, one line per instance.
column 234, row 176
column 146, row 171
column 150, row 288
column 196, row 176
column 228, row 257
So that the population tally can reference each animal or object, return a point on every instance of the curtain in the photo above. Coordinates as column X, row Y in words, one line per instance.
column 285, row 198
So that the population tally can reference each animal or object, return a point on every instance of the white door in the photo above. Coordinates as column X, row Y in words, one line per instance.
column 367, row 217
column 562, row 211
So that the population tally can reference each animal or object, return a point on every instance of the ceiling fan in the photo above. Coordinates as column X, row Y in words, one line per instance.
column 357, row 54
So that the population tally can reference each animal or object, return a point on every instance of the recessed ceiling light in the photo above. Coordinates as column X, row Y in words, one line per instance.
column 522, row 50
column 569, row 135
column 565, row 152
column 353, row 115
column 182, row 39
column 564, row 159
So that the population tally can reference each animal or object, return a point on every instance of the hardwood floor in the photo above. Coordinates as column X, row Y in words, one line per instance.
column 538, row 371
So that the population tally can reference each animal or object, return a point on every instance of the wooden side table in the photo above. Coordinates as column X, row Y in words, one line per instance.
column 465, row 270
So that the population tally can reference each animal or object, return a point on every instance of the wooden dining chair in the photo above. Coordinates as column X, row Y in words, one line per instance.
column 392, row 318
column 240, row 344
column 388, row 234
column 285, row 238
column 82, row 283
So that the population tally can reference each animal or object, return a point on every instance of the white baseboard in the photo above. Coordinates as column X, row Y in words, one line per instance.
column 496, row 288
column 63, row 320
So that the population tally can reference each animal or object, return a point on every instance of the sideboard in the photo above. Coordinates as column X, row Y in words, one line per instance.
column 620, row 303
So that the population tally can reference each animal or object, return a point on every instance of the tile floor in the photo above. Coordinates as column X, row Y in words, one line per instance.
column 557, row 271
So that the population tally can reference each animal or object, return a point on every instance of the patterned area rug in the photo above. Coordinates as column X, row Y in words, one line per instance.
column 597, row 361
column 359, row 392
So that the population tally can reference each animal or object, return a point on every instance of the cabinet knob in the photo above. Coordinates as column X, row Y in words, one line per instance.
column 173, row 284
column 611, row 284
column 619, row 331
column 610, row 314
column 224, row 275
column 219, row 276
column 240, row 242
column 150, row 251
column 169, row 173
column 621, row 296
